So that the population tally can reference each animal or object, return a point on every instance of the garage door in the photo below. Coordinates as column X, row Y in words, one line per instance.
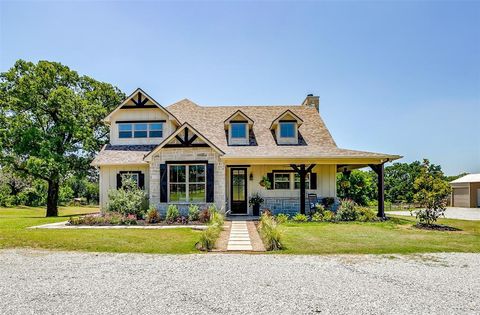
column 461, row 198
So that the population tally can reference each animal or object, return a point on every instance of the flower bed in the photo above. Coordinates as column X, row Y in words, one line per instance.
column 151, row 217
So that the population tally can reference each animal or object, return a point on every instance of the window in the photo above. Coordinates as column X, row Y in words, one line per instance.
column 281, row 180
column 239, row 130
column 133, row 176
column 287, row 129
column 125, row 130
column 297, row 181
column 155, row 130
column 187, row 183
column 140, row 131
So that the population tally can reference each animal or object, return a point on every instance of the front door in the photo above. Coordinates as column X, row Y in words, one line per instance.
column 238, row 190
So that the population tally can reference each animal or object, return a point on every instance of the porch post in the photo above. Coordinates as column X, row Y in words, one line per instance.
column 302, row 171
column 302, row 188
column 379, row 169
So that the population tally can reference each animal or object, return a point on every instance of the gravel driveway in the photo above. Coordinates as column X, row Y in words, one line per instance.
column 44, row 282
column 472, row 214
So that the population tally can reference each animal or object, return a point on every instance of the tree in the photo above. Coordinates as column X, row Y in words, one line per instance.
column 432, row 192
column 51, row 121
column 358, row 186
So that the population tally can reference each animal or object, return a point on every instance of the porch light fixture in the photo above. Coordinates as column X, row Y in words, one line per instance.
column 251, row 176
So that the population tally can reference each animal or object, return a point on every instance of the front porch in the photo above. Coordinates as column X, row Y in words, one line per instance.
column 284, row 188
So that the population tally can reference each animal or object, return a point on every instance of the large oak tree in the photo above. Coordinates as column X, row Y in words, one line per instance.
column 51, row 121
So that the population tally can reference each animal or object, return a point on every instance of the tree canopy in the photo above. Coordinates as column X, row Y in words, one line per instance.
column 51, row 121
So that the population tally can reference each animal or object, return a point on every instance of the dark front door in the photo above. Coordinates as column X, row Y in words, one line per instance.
column 238, row 190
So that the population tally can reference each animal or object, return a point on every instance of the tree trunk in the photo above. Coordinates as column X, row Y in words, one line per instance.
column 52, row 198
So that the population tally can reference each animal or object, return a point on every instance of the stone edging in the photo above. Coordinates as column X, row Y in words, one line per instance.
column 64, row 225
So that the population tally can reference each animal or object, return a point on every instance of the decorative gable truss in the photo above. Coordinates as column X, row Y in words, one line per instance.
column 184, row 137
column 139, row 99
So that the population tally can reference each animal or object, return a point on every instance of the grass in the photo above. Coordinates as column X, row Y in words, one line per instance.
column 394, row 236
column 14, row 234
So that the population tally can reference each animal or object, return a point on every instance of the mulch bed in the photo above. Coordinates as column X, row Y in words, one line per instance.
column 435, row 227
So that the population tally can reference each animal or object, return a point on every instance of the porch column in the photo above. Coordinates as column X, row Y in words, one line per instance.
column 302, row 170
column 379, row 170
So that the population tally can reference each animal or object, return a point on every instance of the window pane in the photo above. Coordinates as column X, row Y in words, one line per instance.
column 196, row 192
column 178, row 192
column 307, row 181
column 238, row 185
column 140, row 131
column 156, row 130
column 239, row 130
column 282, row 181
column 125, row 130
column 196, row 173
column 287, row 130
column 177, row 173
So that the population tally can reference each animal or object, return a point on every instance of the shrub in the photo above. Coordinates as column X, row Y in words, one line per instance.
column 216, row 218
column 317, row 217
column 172, row 214
column 429, row 216
column 209, row 237
column 366, row 215
column 270, row 233
column 204, row 216
column 347, row 211
column 193, row 212
column 153, row 216
column 320, row 208
column 267, row 212
column 300, row 218
column 281, row 218
column 328, row 216
column 129, row 199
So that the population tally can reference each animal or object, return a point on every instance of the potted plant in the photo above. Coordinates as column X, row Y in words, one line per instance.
column 265, row 182
column 255, row 201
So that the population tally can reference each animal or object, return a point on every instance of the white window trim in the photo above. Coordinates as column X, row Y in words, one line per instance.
column 132, row 130
column 307, row 181
column 186, row 183
column 289, row 180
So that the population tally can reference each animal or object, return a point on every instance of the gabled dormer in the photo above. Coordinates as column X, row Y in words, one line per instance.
column 285, row 128
column 238, row 127
column 140, row 120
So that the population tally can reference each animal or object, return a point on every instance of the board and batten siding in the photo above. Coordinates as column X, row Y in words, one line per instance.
column 108, row 179
column 139, row 114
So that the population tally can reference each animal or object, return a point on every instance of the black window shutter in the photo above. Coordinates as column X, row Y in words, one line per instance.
column 163, row 183
column 210, row 182
column 313, row 180
column 270, row 179
column 119, row 181
column 141, row 181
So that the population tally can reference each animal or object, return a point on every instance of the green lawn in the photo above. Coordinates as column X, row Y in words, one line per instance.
column 14, row 233
column 394, row 236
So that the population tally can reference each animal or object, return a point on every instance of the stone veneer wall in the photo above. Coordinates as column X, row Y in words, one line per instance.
column 288, row 205
column 186, row 154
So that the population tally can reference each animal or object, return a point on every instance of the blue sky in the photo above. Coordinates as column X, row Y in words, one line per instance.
column 393, row 77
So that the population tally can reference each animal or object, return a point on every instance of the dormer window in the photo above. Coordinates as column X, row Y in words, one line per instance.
column 239, row 130
column 287, row 129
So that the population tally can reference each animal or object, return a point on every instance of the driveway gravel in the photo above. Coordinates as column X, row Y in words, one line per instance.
column 43, row 282
column 472, row 214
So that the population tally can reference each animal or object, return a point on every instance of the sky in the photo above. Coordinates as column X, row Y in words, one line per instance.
column 393, row 77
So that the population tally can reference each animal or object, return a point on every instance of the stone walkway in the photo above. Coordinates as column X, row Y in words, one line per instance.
column 239, row 237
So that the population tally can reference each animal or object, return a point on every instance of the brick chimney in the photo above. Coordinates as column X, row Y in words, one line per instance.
column 312, row 101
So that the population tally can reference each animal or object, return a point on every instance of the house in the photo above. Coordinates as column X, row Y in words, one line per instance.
column 466, row 191
column 186, row 153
